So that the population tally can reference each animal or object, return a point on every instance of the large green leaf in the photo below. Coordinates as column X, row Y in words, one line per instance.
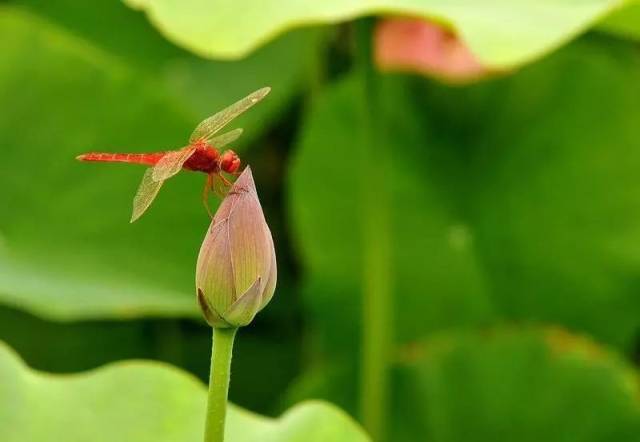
column 515, row 385
column 501, row 33
column 141, row 401
column 436, row 278
column 59, row 218
column 200, row 86
column 66, row 249
column 515, row 198
column 624, row 22
column 554, row 194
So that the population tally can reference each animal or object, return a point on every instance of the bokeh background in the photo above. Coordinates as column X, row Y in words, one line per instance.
column 456, row 211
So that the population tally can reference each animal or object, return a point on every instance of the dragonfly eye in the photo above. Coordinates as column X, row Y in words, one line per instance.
column 229, row 161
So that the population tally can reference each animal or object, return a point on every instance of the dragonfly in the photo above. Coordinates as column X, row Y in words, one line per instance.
column 202, row 154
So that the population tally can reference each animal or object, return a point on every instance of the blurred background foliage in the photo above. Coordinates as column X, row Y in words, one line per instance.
column 511, row 203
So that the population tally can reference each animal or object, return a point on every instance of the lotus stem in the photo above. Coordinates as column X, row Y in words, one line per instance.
column 377, row 308
column 219, row 383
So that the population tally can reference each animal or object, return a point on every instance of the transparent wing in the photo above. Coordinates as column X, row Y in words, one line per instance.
column 214, row 123
column 171, row 163
column 145, row 195
column 226, row 138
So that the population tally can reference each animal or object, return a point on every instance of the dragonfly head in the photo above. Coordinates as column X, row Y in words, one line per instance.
column 229, row 161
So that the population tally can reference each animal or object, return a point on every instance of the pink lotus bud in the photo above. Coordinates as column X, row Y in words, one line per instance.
column 415, row 45
column 236, row 272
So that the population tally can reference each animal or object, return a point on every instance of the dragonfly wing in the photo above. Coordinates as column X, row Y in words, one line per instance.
column 171, row 163
column 214, row 123
column 228, row 137
column 147, row 192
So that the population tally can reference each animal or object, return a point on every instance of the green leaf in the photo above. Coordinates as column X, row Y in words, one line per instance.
column 199, row 86
column 142, row 401
column 516, row 385
column 56, row 214
column 515, row 199
column 624, row 22
column 501, row 33
column 436, row 278
column 66, row 248
column 553, row 200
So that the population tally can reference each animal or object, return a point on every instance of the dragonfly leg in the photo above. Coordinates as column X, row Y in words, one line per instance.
column 221, row 186
column 224, row 180
column 208, row 185
column 215, row 185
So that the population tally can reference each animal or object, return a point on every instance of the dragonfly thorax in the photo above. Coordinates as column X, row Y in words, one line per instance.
column 204, row 159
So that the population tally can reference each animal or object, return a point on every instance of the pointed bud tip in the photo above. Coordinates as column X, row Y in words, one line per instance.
column 245, row 182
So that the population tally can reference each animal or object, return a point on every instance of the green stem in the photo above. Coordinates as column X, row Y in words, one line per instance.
column 377, row 308
column 219, row 383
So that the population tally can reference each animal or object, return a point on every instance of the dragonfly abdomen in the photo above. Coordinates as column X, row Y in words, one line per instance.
column 149, row 159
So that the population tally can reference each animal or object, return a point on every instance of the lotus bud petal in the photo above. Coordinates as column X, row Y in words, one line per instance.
column 236, row 272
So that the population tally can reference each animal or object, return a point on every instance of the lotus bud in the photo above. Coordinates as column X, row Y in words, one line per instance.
column 236, row 271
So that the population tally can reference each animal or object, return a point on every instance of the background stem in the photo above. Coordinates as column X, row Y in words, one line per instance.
column 377, row 331
column 219, row 383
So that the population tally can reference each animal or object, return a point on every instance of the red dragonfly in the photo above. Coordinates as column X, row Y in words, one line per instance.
column 202, row 154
